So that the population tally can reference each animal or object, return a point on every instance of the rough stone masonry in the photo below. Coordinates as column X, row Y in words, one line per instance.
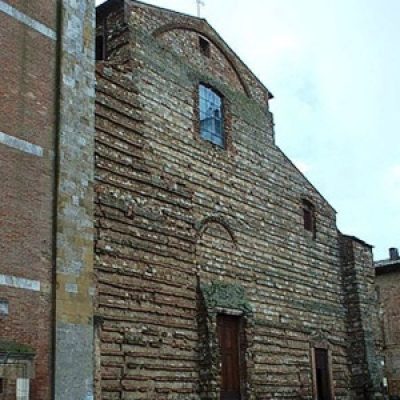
column 188, row 232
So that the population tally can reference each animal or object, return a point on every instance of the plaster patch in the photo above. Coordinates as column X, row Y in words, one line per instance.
column 20, row 283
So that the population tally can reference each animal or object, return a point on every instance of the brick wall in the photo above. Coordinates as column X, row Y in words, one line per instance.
column 27, row 126
column 388, row 288
column 186, row 230
column 365, row 339
column 46, row 202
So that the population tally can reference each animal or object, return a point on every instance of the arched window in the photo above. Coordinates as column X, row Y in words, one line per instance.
column 211, row 116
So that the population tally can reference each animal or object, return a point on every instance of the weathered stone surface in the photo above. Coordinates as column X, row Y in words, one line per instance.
column 73, row 374
column 362, row 315
column 181, row 225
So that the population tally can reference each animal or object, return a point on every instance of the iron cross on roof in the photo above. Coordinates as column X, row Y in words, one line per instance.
column 199, row 4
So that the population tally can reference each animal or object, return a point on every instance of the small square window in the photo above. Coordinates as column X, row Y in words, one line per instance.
column 211, row 116
column 204, row 46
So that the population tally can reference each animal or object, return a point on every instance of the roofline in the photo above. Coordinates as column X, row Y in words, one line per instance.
column 111, row 3
column 388, row 267
column 108, row 3
column 142, row 3
column 308, row 181
column 270, row 95
column 356, row 239
column 388, row 261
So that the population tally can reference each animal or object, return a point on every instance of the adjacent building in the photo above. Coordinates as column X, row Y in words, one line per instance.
column 46, row 222
column 388, row 288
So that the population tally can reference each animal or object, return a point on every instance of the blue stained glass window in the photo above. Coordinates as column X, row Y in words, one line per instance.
column 211, row 116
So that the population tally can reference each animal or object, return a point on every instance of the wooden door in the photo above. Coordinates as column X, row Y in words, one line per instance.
column 322, row 375
column 229, row 343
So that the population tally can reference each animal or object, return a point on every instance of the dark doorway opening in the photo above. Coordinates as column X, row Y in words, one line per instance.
column 229, row 343
column 100, row 51
column 322, row 375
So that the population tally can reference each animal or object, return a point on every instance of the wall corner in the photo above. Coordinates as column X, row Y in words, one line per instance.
column 74, row 286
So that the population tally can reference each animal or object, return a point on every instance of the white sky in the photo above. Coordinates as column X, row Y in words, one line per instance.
column 334, row 69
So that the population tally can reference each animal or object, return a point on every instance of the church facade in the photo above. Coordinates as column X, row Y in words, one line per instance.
column 174, row 251
column 220, row 271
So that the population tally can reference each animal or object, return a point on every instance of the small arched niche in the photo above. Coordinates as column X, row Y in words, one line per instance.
column 223, row 309
column 216, row 249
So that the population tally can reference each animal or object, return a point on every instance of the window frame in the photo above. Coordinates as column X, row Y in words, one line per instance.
column 4, row 307
column 309, row 219
column 23, row 388
column 205, row 47
column 331, row 389
column 100, row 48
column 222, row 108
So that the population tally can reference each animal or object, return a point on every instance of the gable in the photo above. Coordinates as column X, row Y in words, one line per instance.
column 181, row 32
column 185, row 40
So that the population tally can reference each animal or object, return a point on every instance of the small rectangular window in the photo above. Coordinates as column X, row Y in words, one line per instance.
column 99, row 48
column 211, row 116
column 3, row 308
column 322, row 375
column 309, row 217
column 1, row 385
column 204, row 46
column 22, row 389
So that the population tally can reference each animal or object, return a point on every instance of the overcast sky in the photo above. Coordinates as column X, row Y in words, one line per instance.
column 334, row 69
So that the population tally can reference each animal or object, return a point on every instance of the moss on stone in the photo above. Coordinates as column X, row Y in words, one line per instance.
column 223, row 295
column 13, row 347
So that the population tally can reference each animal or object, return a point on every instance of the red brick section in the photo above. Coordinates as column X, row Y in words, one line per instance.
column 27, row 83
column 388, row 288
column 27, row 111
column 44, row 11
column 28, row 322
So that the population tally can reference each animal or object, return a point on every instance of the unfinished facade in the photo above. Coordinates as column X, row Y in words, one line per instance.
column 388, row 288
column 220, row 272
